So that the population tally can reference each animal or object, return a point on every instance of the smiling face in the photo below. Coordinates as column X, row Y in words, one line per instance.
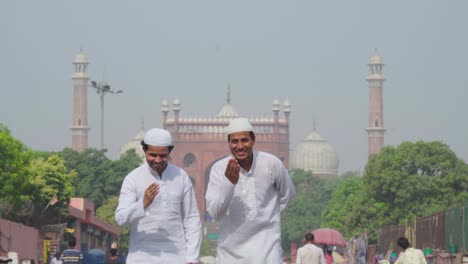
column 241, row 145
column 157, row 157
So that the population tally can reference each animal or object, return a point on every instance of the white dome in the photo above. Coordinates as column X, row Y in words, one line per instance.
column 227, row 111
column 135, row 144
column 316, row 155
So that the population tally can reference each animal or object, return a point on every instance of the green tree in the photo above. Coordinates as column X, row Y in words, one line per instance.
column 119, row 169
column 98, row 177
column 50, row 178
column 107, row 213
column 338, row 212
column 93, row 169
column 405, row 182
column 14, row 175
column 304, row 213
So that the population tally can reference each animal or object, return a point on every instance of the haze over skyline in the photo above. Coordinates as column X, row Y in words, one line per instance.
column 313, row 52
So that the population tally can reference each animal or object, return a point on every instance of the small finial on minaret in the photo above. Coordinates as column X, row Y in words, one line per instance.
column 228, row 99
column 315, row 126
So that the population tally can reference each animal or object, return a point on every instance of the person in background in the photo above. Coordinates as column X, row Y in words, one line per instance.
column 56, row 259
column 114, row 257
column 310, row 253
column 157, row 201
column 409, row 255
column 246, row 193
column 328, row 255
column 72, row 255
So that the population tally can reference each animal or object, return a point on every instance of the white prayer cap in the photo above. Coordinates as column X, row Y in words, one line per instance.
column 158, row 137
column 238, row 125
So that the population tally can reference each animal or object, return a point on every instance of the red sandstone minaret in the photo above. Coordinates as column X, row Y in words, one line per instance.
column 79, row 126
column 376, row 128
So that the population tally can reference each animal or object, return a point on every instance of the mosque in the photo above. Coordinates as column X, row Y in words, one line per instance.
column 201, row 141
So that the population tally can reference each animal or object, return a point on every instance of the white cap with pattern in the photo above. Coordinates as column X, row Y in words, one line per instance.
column 158, row 137
column 238, row 125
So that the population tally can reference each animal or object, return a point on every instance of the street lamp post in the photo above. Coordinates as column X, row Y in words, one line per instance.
column 102, row 88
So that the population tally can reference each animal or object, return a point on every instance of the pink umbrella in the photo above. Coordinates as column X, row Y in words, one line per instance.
column 328, row 236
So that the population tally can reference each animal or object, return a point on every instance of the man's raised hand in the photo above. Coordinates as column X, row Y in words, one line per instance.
column 150, row 193
column 232, row 171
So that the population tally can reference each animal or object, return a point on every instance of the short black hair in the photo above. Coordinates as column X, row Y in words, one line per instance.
column 251, row 134
column 403, row 242
column 71, row 241
column 309, row 237
column 145, row 146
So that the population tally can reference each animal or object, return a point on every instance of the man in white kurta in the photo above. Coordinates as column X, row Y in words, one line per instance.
column 409, row 255
column 246, row 193
column 158, row 202
column 310, row 253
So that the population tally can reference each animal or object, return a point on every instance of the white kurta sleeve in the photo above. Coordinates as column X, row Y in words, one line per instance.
column 322, row 257
column 219, row 193
column 285, row 186
column 298, row 256
column 191, row 222
column 129, row 209
column 422, row 258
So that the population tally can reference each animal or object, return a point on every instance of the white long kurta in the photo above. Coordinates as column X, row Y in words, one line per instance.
column 169, row 229
column 249, row 212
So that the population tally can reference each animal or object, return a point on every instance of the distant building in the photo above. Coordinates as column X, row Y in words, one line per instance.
column 201, row 141
column 375, row 129
column 39, row 245
column 316, row 155
column 79, row 126
column 135, row 144
column 90, row 231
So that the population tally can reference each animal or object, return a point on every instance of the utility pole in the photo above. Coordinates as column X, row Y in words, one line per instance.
column 102, row 88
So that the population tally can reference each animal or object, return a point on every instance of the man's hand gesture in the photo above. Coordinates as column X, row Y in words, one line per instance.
column 150, row 193
column 232, row 171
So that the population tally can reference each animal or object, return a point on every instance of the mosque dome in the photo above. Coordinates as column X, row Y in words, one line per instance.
column 135, row 144
column 227, row 111
column 316, row 155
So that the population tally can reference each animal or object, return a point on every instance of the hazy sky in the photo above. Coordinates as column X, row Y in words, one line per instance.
column 313, row 52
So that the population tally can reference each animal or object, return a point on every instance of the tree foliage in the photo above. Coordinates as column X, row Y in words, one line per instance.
column 14, row 174
column 29, row 179
column 107, row 213
column 400, row 184
column 92, row 168
column 339, row 211
column 50, row 178
column 98, row 177
column 304, row 213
